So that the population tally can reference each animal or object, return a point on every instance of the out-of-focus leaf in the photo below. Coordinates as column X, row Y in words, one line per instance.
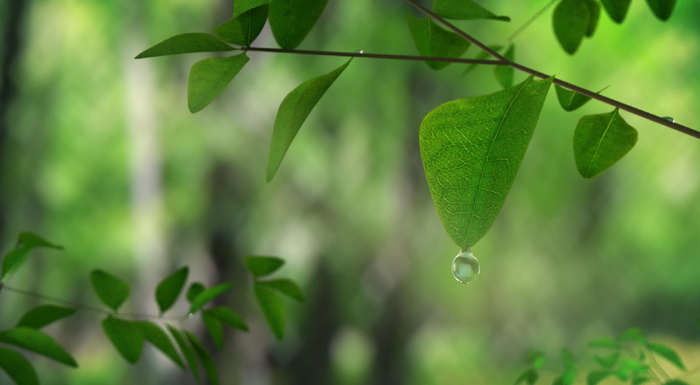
column 600, row 141
column 293, row 111
column 431, row 40
column 156, row 336
column 291, row 20
column 504, row 74
column 186, row 350
column 244, row 28
column 195, row 289
column 536, row 359
column 528, row 377
column 675, row 382
column 215, row 329
column 662, row 8
column 38, row 342
column 571, row 23
column 604, row 343
column 667, row 353
column 629, row 368
column 567, row 377
column 643, row 380
column 597, row 376
column 170, row 288
column 208, row 295
column 229, row 316
column 13, row 260
column 204, row 357
column 111, row 290
column 31, row 240
column 272, row 308
column 609, row 361
column 567, row 359
column 209, row 77
column 126, row 337
column 616, row 9
column 594, row 12
column 18, row 367
column 186, row 43
column 286, row 287
column 471, row 150
column 262, row 266
column 41, row 316
column 464, row 10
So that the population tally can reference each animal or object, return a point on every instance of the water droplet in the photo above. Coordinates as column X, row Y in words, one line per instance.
column 359, row 51
column 465, row 267
column 670, row 119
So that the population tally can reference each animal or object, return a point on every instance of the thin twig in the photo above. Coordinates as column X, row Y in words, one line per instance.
column 531, row 20
column 615, row 103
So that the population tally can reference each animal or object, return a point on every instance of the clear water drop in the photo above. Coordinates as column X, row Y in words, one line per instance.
column 465, row 267
column 670, row 119
column 359, row 51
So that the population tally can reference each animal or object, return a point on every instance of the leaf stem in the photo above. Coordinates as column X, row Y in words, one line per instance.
column 615, row 103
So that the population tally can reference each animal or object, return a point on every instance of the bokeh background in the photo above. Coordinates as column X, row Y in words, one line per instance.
column 99, row 153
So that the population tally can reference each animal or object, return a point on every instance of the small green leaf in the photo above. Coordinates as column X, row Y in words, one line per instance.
column 293, row 111
column 207, row 296
column 244, row 28
column 13, row 260
column 215, row 329
column 662, row 8
column 126, row 337
column 604, row 343
column 18, row 367
column 292, row 20
column 31, row 240
column 567, row 377
column 571, row 22
column 286, row 287
column 632, row 334
column 464, row 10
column 504, row 74
column 157, row 337
column 229, row 316
column 111, row 290
column 600, row 141
column 667, row 353
column 169, row 289
column 240, row 6
column 616, row 9
column 597, row 376
column 570, row 100
column 195, row 289
column 609, row 361
column 186, row 43
column 186, row 350
column 594, row 12
column 204, row 357
column 41, row 316
column 471, row 150
column 272, row 308
column 434, row 41
column 38, row 342
column 675, row 382
column 262, row 266
column 529, row 377
column 536, row 359
column 209, row 77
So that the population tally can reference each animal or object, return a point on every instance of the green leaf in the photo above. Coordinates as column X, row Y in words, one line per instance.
column 571, row 22
column 616, row 9
column 186, row 350
column 13, row 260
column 244, row 28
column 609, row 361
column 481, row 55
column 111, row 290
column 662, row 8
column 597, row 376
column 567, row 359
column 504, row 74
column 529, row 377
column 632, row 334
column 630, row 368
column 642, row 380
column 667, row 353
column 432, row 40
column 240, row 6
column 286, row 287
column 600, row 141
column 604, row 343
column 18, row 367
column 464, row 10
column 31, row 240
column 204, row 357
column 292, row 20
column 209, row 77
column 208, row 295
column 471, row 150
column 567, row 377
column 229, row 316
column 38, row 342
column 215, row 329
column 272, row 308
column 170, row 288
column 570, row 100
column 536, row 359
column 293, row 111
column 126, row 337
column 195, row 289
column 675, row 382
column 157, row 337
column 186, row 43
column 594, row 12
column 262, row 266
column 41, row 316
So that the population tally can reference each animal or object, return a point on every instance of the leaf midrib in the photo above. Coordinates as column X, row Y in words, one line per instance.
column 602, row 138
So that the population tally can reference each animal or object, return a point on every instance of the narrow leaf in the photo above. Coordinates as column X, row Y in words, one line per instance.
column 667, row 353
column 229, row 316
column 209, row 77
column 286, row 287
column 594, row 12
column 208, row 295
column 504, row 74
column 31, row 240
column 170, row 288
column 204, row 357
column 293, row 111
column 186, row 350
column 604, row 343
column 13, row 260
column 195, row 289
column 37, row 342
column 600, row 141
column 244, row 28
column 126, row 337
column 464, row 10
column 215, row 329
column 471, row 150
column 186, row 43
column 292, row 20
column 609, row 361
column 262, row 266
column 662, row 8
column 157, row 337
column 432, row 40
column 18, row 367
column 272, row 308
column 616, row 9
column 571, row 23
column 597, row 376
column 528, row 377
column 111, row 290
column 41, row 316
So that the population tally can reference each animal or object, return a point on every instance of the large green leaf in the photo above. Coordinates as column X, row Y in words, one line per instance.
column 616, row 9
column 594, row 12
column 186, row 43
column 170, row 288
column 240, row 6
column 38, row 342
column 262, row 266
column 571, row 23
column 41, row 316
column 464, row 10
column 227, row 315
column 600, row 141
column 126, row 337
column 186, row 350
column 216, row 330
column 292, row 20
column 293, row 111
column 432, row 40
column 207, row 296
column 471, row 150
column 204, row 357
column 667, row 353
column 18, row 367
column 156, row 336
column 662, row 8
column 286, row 287
column 111, row 290
column 271, row 305
column 244, row 28
column 209, row 77
column 504, row 74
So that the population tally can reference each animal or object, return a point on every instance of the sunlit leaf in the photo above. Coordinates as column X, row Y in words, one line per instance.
column 293, row 111
column 604, row 343
column 244, row 28
column 157, row 337
column 186, row 350
column 662, row 8
column 286, row 287
column 216, row 330
column 616, row 9
column 272, row 308
column 126, row 337
column 41, row 316
column 170, row 288
column 208, row 295
column 186, row 43
column 38, row 342
column 204, row 357
column 609, row 361
column 471, row 150
column 111, row 290
column 597, row 376
column 13, row 260
column 209, row 77
column 528, row 377
column 464, row 10
column 594, row 12
column 292, row 20
column 434, row 41
column 194, row 290
column 262, row 266
column 600, row 141
column 571, row 22
column 228, row 316
column 667, row 353
column 504, row 74
column 31, row 240
column 18, row 367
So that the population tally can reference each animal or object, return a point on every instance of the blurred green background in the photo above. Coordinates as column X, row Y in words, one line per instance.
column 99, row 153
